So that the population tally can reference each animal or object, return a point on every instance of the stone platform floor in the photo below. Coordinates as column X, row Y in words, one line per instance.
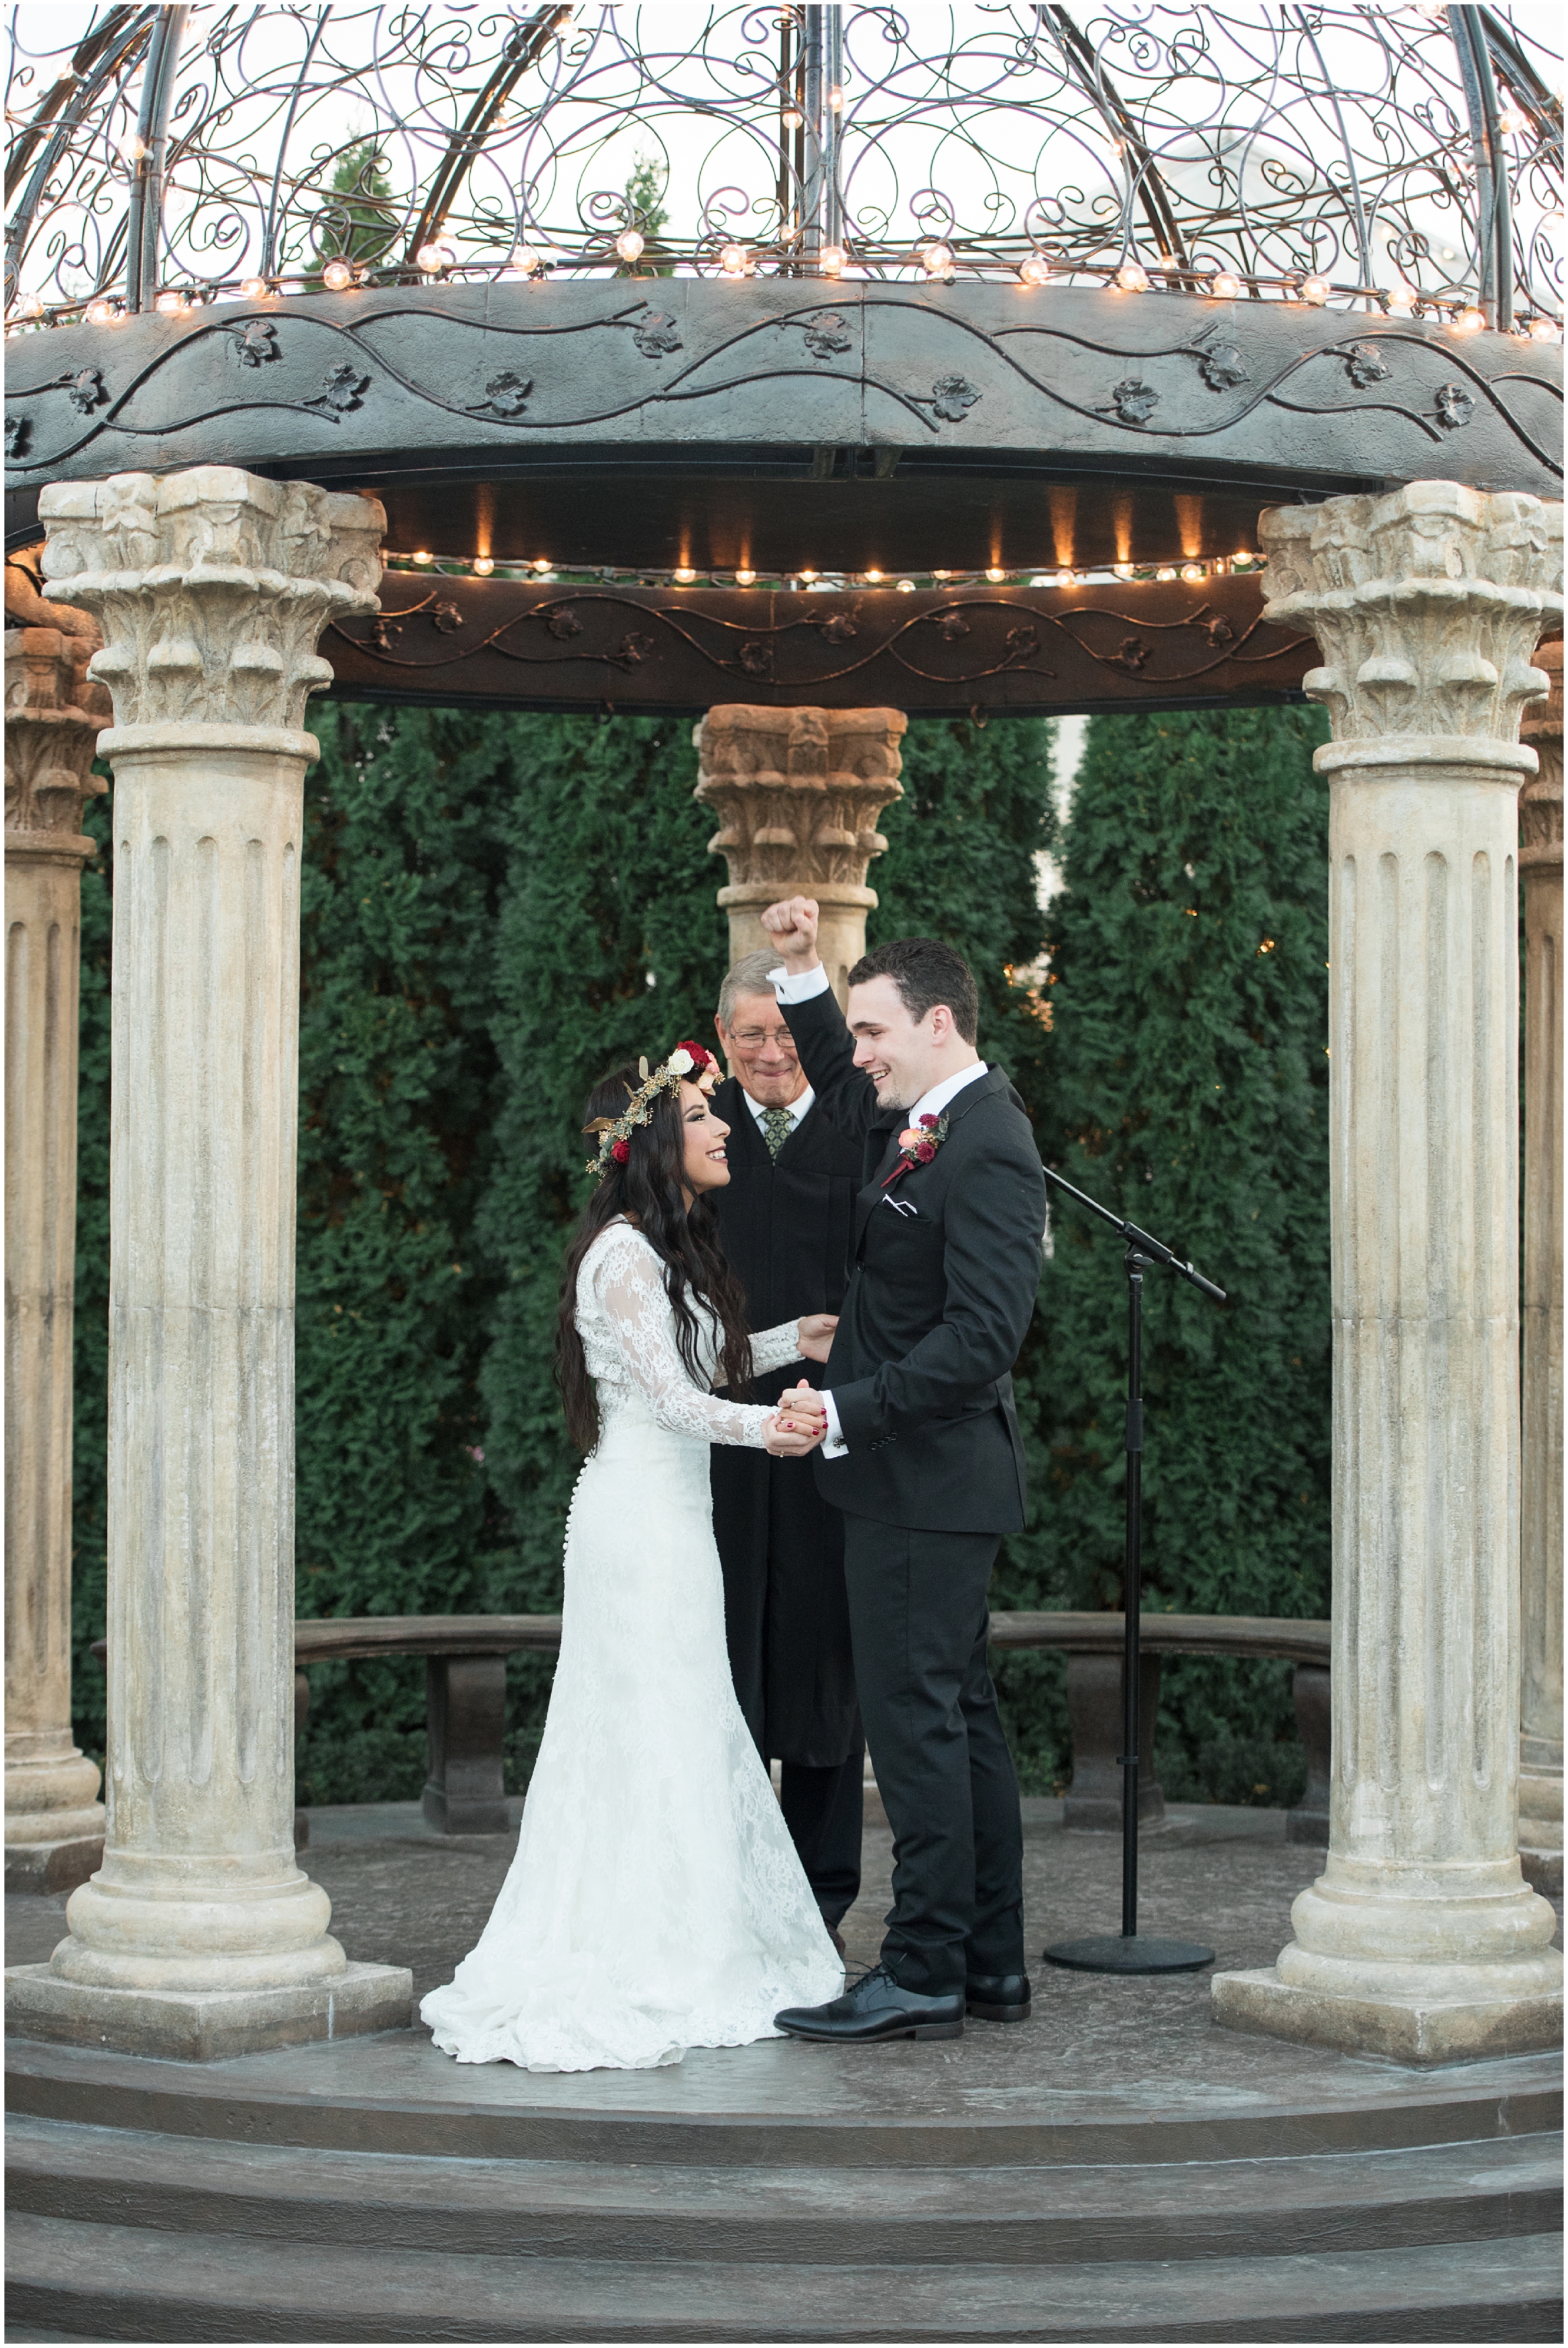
column 404, row 1895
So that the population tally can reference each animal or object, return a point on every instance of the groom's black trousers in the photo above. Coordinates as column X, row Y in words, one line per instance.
column 918, row 1619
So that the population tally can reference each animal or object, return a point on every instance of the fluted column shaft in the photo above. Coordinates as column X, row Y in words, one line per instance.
column 1421, row 1938
column 799, row 792
column 211, row 589
column 53, row 1821
column 1540, row 1415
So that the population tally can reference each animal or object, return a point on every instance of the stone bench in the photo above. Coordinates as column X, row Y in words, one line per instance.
column 465, row 1699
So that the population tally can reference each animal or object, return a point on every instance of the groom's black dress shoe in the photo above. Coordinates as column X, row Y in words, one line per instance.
column 874, row 2007
column 998, row 1997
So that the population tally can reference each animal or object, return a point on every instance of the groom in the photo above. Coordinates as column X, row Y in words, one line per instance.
column 923, row 1455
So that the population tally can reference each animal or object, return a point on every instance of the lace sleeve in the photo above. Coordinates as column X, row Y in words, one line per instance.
column 630, row 1288
column 775, row 1349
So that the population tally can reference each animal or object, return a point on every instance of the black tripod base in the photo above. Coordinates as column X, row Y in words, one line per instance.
column 1121, row 1953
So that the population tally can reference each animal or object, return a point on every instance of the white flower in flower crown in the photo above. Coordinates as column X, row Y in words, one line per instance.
column 681, row 1063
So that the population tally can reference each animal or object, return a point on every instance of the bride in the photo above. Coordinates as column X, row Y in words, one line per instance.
column 655, row 1901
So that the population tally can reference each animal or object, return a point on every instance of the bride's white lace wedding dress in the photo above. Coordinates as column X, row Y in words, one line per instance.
column 656, row 1901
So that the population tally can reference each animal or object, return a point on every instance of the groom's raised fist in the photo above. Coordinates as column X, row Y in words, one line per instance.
column 793, row 921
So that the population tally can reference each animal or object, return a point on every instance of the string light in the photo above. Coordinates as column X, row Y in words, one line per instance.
column 873, row 578
column 1224, row 287
column 1510, row 122
column 792, row 117
column 1243, row 557
column 744, row 578
column 836, row 100
column 682, row 576
column 941, row 574
column 1469, row 322
column 734, row 261
column 433, row 258
column 102, row 314
column 1036, row 270
column 996, row 576
column 484, row 565
column 254, row 289
column 1132, row 277
column 172, row 303
column 338, row 276
column 27, row 305
column 133, row 148
column 1121, row 570
column 1400, row 297
column 832, row 258
column 1315, row 291
column 1542, row 330
column 1064, row 578
column 1164, row 575
column 543, row 562
column 906, row 586
column 1192, row 569
column 421, row 554
column 936, row 259
column 805, row 574
column 525, row 261
column 629, row 243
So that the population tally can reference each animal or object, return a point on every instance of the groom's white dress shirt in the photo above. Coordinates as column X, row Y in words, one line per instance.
column 789, row 988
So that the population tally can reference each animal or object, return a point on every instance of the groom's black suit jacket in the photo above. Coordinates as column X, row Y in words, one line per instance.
column 938, row 1300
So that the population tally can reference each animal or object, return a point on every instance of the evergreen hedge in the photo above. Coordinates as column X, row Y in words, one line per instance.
column 498, row 907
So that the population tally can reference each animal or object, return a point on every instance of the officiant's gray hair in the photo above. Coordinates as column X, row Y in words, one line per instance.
column 747, row 976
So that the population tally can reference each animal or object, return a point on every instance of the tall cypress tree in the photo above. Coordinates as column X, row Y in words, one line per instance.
column 1188, row 1090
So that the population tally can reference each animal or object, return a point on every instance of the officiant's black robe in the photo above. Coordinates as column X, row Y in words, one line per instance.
column 788, row 1229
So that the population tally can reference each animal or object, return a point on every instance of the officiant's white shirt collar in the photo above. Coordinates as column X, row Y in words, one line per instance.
column 794, row 1111
column 790, row 988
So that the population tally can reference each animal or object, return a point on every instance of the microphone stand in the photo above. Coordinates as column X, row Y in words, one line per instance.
column 1126, row 1952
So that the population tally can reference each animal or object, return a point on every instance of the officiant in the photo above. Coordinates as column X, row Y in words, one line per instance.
column 788, row 1216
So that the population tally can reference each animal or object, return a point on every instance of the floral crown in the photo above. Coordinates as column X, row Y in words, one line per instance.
column 688, row 1061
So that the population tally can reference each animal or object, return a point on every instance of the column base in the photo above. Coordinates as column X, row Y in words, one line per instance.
column 1420, row 2031
column 206, row 2025
column 58, row 1865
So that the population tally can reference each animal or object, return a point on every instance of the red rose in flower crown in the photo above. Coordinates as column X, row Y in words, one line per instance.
column 918, row 1143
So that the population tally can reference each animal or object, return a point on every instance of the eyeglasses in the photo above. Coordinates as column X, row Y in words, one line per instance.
column 752, row 1036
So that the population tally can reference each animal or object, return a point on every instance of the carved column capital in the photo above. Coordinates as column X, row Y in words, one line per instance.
column 799, row 791
column 1427, row 604
column 54, row 714
column 1540, row 799
column 211, row 588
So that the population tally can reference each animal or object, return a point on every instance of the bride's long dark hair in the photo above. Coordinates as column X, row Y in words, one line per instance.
column 650, row 1190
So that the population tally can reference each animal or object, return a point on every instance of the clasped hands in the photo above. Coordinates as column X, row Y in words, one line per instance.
column 800, row 1422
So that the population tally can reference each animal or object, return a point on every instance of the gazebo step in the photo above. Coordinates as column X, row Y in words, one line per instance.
column 121, row 2283
column 759, row 2217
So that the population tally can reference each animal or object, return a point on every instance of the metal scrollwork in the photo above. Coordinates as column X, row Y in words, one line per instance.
column 1333, row 145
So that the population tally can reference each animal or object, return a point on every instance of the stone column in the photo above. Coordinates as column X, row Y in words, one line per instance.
column 1421, row 1940
column 198, row 1935
column 798, row 792
column 1541, row 1462
column 54, row 1820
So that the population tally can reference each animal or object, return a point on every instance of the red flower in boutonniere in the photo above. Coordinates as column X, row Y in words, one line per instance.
column 918, row 1143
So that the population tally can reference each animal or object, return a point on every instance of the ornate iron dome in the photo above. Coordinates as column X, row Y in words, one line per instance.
column 1403, row 157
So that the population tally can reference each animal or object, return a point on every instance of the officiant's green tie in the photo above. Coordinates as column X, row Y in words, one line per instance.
column 777, row 1127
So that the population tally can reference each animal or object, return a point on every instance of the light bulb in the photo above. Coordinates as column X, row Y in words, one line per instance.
column 1192, row 569
column 421, row 554
column 1401, row 298
column 133, row 147
column 1510, row 122
column 792, row 117
column 525, row 261
column 1036, row 270
column 906, row 586
column 1224, row 287
column 1063, row 578
column 629, row 243
column 744, row 578
column 337, row 276
column 1132, row 277
column 806, row 573
column 1542, row 330
column 734, row 261
column 254, row 289
column 682, row 576
column 1121, row 570
column 433, row 258
column 543, row 562
column 1167, row 573
column 171, row 304
column 836, row 100
column 1469, row 322
column 832, row 258
column 872, row 578
column 936, row 259
column 27, row 305
column 1315, row 291
column 941, row 574
column 101, row 313
column 1243, row 557
column 996, row 576
column 483, row 564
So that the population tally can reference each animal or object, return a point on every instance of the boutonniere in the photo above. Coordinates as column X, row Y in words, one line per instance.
column 918, row 1143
